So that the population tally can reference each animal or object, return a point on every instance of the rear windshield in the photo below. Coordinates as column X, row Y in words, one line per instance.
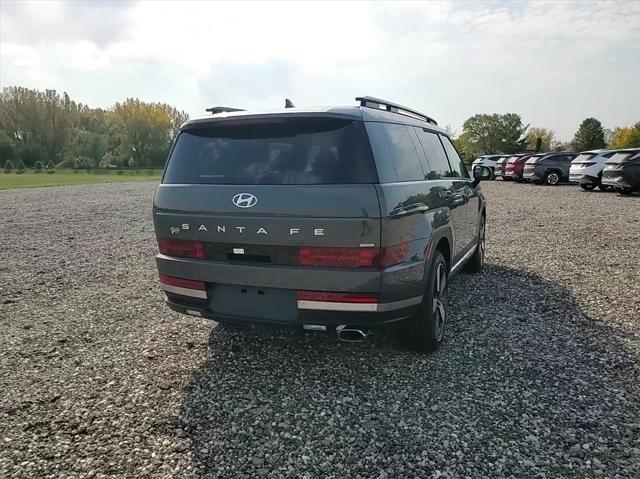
column 623, row 155
column 292, row 151
column 583, row 157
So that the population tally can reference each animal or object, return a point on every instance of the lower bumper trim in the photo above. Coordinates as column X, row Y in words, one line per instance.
column 363, row 307
column 193, row 293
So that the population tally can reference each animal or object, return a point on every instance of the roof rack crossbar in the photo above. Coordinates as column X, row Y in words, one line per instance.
column 377, row 103
column 222, row 109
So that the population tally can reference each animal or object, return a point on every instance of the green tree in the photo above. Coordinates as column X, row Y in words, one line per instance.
column 489, row 134
column 540, row 139
column 145, row 131
column 7, row 148
column 590, row 135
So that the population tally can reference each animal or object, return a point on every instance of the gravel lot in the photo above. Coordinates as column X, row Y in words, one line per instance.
column 538, row 376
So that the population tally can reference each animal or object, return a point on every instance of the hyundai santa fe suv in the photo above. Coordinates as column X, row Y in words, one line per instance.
column 344, row 219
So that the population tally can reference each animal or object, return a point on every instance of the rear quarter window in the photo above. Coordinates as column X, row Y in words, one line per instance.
column 395, row 152
column 274, row 151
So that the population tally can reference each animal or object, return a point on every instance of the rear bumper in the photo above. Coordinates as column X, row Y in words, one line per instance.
column 305, row 317
column 583, row 179
column 282, row 283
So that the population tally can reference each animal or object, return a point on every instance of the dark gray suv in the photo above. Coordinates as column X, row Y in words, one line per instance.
column 348, row 219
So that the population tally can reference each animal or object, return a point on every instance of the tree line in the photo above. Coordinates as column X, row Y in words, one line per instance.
column 496, row 134
column 45, row 130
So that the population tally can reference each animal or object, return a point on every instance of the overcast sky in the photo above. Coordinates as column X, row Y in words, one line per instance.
column 553, row 63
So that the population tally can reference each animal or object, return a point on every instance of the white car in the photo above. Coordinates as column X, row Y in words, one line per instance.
column 489, row 162
column 586, row 169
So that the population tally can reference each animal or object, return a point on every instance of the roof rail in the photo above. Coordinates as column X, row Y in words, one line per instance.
column 377, row 103
column 222, row 109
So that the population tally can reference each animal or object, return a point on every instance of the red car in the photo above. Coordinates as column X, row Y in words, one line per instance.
column 515, row 167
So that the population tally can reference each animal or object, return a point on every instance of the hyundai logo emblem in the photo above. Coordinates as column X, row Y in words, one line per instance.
column 244, row 200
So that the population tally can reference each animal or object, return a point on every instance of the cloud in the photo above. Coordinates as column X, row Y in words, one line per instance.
column 552, row 62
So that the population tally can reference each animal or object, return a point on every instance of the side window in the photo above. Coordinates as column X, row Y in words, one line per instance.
column 403, row 151
column 457, row 165
column 438, row 163
column 393, row 149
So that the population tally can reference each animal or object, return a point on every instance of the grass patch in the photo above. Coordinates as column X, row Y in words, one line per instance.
column 30, row 179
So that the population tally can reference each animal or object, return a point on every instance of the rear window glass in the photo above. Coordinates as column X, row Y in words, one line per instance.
column 291, row 151
column 619, row 157
column 584, row 157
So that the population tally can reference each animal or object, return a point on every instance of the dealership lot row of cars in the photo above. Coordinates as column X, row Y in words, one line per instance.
column 608, row 170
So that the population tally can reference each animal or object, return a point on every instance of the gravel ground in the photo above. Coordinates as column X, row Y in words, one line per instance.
column 538, row 377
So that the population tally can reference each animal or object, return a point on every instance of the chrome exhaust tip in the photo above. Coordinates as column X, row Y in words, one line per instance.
column 351, row 335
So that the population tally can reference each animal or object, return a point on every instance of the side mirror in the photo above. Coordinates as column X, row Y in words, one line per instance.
column 480, row 173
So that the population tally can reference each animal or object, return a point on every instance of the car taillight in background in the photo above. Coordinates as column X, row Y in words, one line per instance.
column 181, row 248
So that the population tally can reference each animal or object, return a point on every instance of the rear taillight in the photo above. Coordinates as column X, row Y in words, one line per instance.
column 336, row 297
column 183, row 283
column 338, row 257
column 353, row 257
column 181, row 248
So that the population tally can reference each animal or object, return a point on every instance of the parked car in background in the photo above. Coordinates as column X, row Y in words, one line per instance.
column 488, row 162
column 529, row 165
column 515, row 166
column 498, row 171
column 622, row 171
column 586, row 169
column 551, row 168
column 344, row 219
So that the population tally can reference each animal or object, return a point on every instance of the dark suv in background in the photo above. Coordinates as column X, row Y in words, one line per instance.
column 622, row 171
column 551, row 168
column 347, row 219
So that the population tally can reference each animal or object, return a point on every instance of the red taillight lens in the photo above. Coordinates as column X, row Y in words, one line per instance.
column 181, row 248
column 336, row 297
column 394, row 255
column 338, row 257
column 183, row 283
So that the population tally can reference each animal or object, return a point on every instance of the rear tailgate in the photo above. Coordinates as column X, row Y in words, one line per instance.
column 282, row 203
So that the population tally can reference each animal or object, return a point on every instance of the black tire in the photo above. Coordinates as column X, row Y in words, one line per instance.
column 476, row 262
column 425, row 330
column 588, row 186
column 606, row 188
column 624, row 191
column 552, row 178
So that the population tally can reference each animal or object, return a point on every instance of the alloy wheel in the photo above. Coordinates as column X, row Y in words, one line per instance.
column 439, row 298
column 482, row 242
column 553, row 179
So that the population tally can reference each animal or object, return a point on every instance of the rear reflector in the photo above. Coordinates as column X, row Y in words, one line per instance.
column 183, row 283
column 336, row 297
column 393, row 255
column 338, row 257
column 181, row 248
